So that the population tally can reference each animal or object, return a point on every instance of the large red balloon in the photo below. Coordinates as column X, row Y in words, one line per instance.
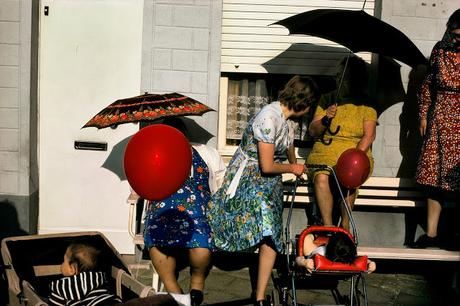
column 353, row 168
column 157, row 161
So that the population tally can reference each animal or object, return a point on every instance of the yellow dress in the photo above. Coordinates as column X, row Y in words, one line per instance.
column 350, row 117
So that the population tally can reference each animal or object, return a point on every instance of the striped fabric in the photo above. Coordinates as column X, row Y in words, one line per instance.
column 86, row 288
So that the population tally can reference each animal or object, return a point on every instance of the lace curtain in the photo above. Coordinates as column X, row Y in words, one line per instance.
column 246, row 97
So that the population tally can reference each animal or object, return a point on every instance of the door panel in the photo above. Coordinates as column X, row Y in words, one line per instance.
column 89, row 56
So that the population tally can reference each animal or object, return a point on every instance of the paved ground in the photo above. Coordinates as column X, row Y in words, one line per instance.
column 394, row 283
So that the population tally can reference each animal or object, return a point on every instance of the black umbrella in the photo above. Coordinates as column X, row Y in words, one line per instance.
column 356, row 30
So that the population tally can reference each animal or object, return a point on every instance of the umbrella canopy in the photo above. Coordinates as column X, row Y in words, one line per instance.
column 356, row 30
column 147, row 107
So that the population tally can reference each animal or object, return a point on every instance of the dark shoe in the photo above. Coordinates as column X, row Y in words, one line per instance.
column 262, row 303
column 196, row 297
column 426, row 241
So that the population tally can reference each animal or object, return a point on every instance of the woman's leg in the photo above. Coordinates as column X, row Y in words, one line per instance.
column 165, row 265
column 430, row 239
column 324, row 197
column 200, row 259
column 433, row 212
column 267, row 257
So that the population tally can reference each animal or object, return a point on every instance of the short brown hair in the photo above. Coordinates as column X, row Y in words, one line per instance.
column 85, row 256
column 299, row 93
column 341, row 248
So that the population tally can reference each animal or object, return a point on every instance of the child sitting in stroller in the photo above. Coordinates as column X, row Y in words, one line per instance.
column 339, row 249
column 83, row 283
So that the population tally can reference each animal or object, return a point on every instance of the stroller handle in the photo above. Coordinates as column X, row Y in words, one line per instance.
column 317, row 166
column 344, row 202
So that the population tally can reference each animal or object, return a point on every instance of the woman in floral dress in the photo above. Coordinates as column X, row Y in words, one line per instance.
column 439, row 113
column 247, row 211
column 178, row 224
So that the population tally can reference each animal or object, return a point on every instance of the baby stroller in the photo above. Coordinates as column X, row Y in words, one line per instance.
column 326, row 274
column 32, row 262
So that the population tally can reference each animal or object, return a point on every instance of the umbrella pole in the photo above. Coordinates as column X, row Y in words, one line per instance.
column 342, row 77
column 336, row 98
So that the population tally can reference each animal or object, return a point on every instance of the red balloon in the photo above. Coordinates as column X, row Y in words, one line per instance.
column 157, row 161
column 353, row 168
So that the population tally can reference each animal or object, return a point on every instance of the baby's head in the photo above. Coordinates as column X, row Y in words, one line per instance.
column 341, row 248
column 79, row 257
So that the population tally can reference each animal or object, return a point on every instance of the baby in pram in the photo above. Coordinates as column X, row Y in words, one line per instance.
column 84, row 283
column 338, row 248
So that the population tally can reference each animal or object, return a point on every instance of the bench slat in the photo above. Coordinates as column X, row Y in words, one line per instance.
column 364, row 192
column 374, row 181
column 409, row 254
column 376, row 191
column 301, row 199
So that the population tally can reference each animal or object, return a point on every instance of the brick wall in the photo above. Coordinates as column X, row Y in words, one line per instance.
column 181, row 51
column 9, row 96
column 18, row 167
column 397, row 145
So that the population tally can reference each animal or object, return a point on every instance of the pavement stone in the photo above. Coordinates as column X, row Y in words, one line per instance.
column 394, row 283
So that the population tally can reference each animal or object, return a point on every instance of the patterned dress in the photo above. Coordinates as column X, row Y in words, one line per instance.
column 248, row 206
column 350, row 116
column 439, row 103
column 180, row 220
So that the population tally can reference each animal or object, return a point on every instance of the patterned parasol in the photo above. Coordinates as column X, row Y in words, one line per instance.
column 147, row 107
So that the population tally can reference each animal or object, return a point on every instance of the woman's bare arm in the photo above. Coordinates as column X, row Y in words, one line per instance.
column 267, row 161
column 317, row 127
column 365, row 143
column 291, row 155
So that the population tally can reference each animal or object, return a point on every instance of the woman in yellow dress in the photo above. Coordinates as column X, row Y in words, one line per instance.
column 351, row 110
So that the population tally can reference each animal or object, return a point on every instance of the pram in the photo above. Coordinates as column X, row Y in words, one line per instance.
column 326, row 274
column 32, row 262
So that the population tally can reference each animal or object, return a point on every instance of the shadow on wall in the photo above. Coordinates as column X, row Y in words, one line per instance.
column 9, row 222
column 321, row 63
column 316, row 61
column 9, row 227
column 410, row 141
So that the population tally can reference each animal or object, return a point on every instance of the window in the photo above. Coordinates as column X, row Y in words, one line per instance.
column 257, row 58
column 243, row 95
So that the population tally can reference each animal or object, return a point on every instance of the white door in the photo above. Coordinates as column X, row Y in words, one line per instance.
column 89, row 56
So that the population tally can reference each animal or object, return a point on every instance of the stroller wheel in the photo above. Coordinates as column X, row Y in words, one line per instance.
column 281, row 297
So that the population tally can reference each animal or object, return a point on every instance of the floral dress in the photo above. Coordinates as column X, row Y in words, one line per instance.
column 439, row 103
column 180, row 220
column 248, row 206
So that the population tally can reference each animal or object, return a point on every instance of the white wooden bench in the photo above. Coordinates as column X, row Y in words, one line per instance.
column 376, row 192
column 380, row 192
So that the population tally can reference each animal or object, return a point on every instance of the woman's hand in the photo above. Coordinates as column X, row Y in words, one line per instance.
column 297, row 169
column 322, row 122
column 422, row 127
column 331, row 111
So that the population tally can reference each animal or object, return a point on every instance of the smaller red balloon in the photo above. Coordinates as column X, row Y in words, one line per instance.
column 157, row 161
column 353, row 168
